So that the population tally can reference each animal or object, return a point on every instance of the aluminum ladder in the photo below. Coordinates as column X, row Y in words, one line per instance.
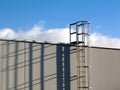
column 79, row 36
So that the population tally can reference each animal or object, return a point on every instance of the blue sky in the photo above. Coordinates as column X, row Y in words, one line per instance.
column 104, row 15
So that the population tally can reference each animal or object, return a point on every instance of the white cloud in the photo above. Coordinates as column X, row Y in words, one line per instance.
column 7, row 33
column 31, row 34
column 38, row 33
column 98, row 39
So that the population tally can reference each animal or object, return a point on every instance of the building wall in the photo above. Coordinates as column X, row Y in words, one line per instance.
column 27, row 65
column 40, row 66
column 105, row 73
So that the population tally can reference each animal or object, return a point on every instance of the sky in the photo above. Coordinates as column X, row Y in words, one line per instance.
column 49, row 19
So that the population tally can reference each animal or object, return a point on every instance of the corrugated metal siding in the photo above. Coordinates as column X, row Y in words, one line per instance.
column 34, row 66
column 41, row 66
column 27, row 66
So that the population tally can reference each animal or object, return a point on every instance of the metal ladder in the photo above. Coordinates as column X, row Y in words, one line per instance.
column 80, row 33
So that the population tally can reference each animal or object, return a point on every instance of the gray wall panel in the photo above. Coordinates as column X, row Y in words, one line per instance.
column 105, row 69
column 48, row 64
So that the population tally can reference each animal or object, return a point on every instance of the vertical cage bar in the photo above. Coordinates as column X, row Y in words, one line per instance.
column 70, row 32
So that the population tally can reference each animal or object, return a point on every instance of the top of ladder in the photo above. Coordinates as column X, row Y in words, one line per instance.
column 79, row 34
column 80, row 22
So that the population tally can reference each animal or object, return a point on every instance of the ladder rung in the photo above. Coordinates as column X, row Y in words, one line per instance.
column 75, row 42
column 74, row 76
column 76, row 49
column 81, row 66
column 80, row 24
column 84, row 66
column 81, row 56
column 82, row 49
column 82, row 34
column 73, row 49
column 82, row 76
column 73, row 24
column 73, row 32
column 73, row 79
column 83, row 87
